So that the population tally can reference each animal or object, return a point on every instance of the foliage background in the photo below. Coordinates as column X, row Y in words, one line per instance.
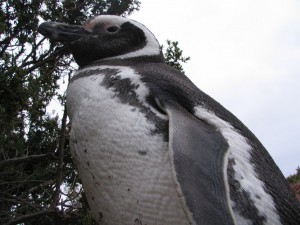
column 38, row 180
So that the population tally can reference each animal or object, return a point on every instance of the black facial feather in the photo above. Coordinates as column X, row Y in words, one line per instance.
column 100, row 44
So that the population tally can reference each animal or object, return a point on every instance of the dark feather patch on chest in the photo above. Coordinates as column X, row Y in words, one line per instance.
column 125, row 91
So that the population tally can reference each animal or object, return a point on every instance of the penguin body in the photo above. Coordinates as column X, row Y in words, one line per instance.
column 151, row 148
column 125, row 155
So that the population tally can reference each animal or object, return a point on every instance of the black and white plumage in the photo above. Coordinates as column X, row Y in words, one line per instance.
column 151, row 148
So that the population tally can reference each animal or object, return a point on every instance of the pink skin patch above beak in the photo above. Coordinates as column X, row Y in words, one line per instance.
column 89, row 26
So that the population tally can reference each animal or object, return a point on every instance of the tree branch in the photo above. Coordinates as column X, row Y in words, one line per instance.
column 31, row 215
column 61, row 159
column 38, row 187
column 25, row 159
column 61, row 51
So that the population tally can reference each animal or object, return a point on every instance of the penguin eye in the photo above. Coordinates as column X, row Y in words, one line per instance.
column 112, row 29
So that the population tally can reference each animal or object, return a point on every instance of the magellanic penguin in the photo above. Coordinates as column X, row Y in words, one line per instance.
column 153, row 149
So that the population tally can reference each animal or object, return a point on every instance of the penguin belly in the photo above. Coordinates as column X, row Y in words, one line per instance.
column 124, row 166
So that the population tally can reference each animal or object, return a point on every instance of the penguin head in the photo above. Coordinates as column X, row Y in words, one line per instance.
column 103, row 37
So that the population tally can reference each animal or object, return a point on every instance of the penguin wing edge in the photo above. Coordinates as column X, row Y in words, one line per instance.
column 199, row 165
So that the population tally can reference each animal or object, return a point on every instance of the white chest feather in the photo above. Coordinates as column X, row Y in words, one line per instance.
column 123, row 165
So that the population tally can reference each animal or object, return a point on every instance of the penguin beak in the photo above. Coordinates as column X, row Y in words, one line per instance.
column 62, row 32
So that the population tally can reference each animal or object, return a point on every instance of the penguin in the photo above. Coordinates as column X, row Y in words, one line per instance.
column 152, row 148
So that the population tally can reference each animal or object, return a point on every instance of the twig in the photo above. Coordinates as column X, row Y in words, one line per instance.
column 24, row 159
column 58, row 52
column 31, row 215
column 61, row 159
column 37, row 187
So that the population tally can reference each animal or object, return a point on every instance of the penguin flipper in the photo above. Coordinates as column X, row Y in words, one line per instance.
column 197, row 154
